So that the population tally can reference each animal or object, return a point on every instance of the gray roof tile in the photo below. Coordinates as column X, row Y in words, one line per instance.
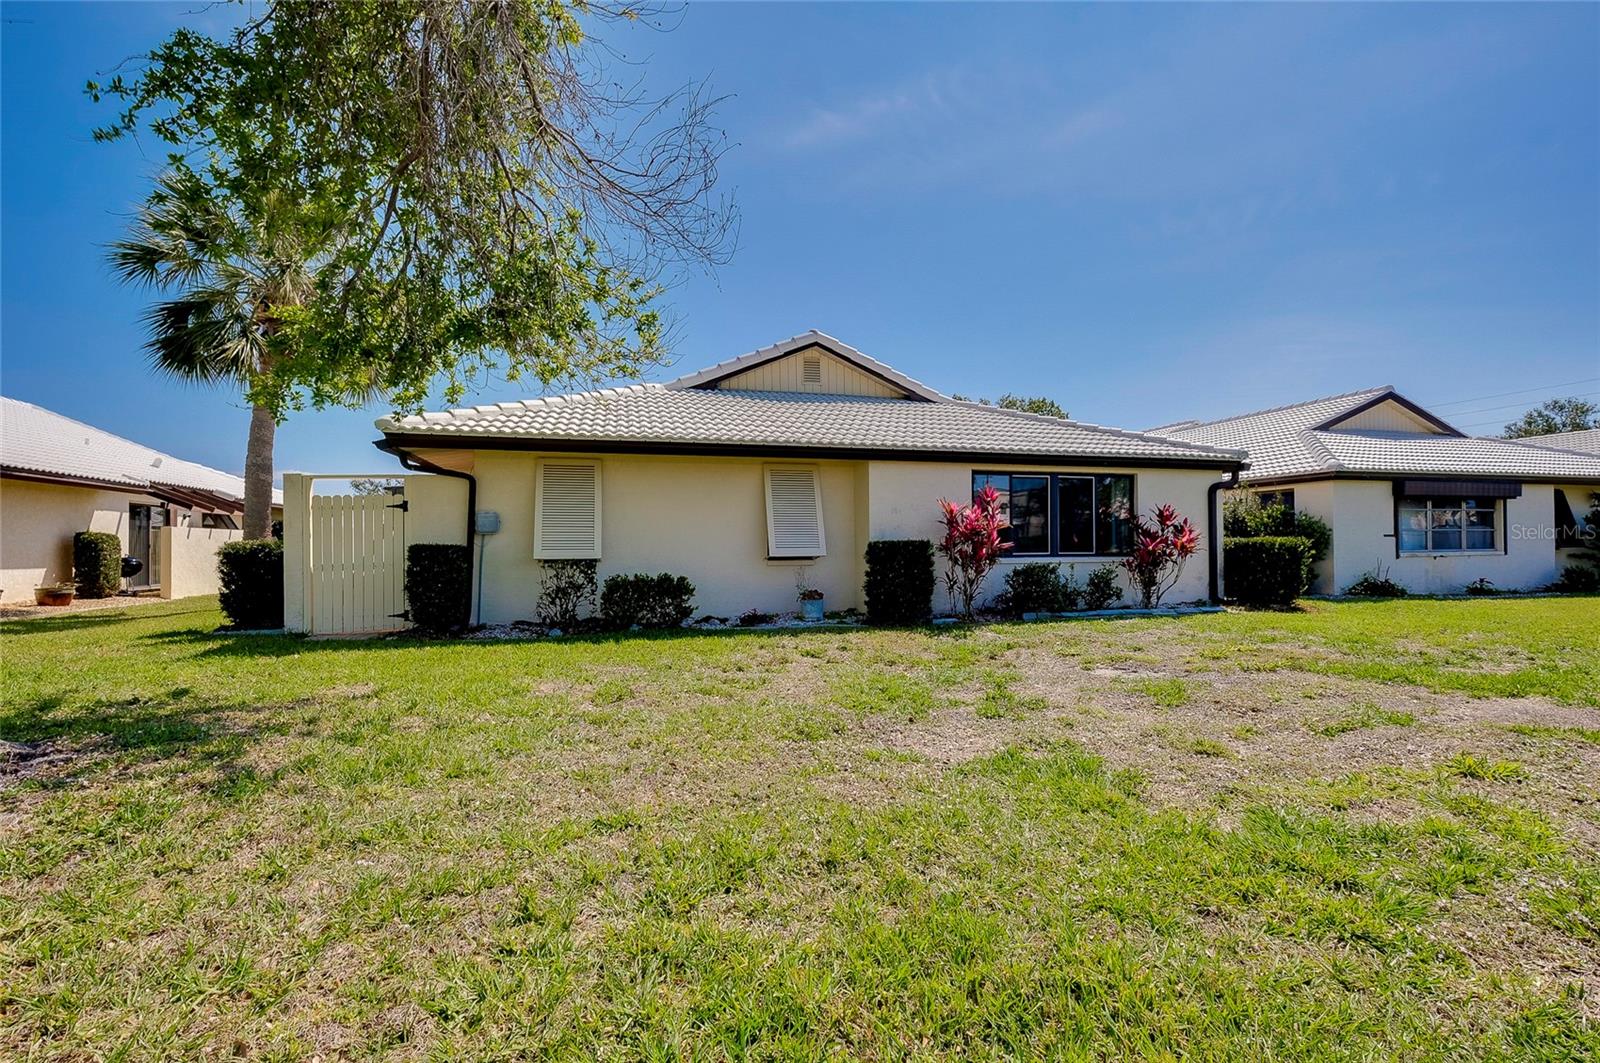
column 1285, row 442
column 664, row 414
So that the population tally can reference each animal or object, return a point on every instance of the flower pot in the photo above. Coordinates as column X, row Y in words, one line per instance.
column 53, row 595
column 811, row 609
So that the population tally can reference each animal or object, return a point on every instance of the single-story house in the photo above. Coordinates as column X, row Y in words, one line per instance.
column 777, row 468
column 59, row 476
column 1409, row 495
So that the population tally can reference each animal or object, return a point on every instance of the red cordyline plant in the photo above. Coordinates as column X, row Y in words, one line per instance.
column 1160, row 548
column 971, row 547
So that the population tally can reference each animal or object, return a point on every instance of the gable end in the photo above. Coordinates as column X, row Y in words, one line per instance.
column 815, row 369
column 1390, row 412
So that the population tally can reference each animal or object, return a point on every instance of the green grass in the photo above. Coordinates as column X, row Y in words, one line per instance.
column 1449, row 646
column 824, row 845
column 1360, row 717
column 1572, row 734
column 1168, row 693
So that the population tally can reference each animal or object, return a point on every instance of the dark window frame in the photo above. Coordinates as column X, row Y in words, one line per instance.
column 1052, row 504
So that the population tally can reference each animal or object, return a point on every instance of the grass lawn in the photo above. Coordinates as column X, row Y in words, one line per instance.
column 1357, row 831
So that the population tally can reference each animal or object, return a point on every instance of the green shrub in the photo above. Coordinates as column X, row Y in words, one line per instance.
column 660, row 601
column 1576, row 579
column 96, row 563
column 565, row 589
column 250, row 573
column 1031, row 588
column 439, row 586
column 1266, row 569
column 899, row 582
column 1376, row 584
column 1102, row 590
column 1247, row 517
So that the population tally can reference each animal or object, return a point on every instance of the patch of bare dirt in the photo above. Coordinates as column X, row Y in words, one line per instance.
column 21, row 761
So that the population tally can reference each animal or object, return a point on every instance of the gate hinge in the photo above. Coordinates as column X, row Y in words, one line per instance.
column 404, row 505
column 404, row 614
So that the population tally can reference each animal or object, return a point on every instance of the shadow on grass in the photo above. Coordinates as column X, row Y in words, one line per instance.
column 107, row 617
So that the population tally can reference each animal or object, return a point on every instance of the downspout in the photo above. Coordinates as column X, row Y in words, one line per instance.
column 1214, row 555
column 413, row 463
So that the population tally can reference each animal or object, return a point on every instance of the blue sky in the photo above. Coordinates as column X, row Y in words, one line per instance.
column 1145, row 212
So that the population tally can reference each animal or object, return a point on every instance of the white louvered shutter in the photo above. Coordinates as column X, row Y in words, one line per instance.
column 567, row 510
column 794, row 512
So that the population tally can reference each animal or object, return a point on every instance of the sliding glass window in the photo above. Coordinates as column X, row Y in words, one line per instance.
column 1063, row 514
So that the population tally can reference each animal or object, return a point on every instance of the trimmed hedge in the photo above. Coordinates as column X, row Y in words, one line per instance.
column 250, row 572
column 659, row 601
column 439, row 586
column 899, row 583
column 1266, row 569
column 96, row 564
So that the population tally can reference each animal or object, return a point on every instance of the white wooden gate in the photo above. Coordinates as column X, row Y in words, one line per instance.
column 358, row 560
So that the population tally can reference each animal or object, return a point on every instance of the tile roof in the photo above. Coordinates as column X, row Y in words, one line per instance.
column 1286, row 442
column 663, row 414
column 1587, row 441
column 34, row 439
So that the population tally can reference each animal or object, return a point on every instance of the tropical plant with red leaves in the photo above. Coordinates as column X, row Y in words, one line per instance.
column 971, row 547
column 1160, row 548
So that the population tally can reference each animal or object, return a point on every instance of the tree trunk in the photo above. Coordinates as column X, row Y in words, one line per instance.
column 258, row 474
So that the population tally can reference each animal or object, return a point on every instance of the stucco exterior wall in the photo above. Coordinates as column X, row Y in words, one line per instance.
column 189, row 559
column 903, row 504
column 37, row 522
column 704, row 518
column 1361, row 513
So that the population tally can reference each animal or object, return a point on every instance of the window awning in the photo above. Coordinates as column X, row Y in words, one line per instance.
column 1458, row 488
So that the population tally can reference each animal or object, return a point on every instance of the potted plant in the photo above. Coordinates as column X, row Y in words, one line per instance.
column 54, row 594
column 810, row 598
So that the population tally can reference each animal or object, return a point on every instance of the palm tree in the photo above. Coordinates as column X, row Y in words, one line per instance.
column 232, row 276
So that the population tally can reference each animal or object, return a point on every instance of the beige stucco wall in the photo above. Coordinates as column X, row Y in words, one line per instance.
column 189, row 558
column 37, row 522
column 704, row 518
column 903, row 504
column 1361, row 514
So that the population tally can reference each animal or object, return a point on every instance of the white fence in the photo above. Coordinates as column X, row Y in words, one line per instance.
column 344, row 556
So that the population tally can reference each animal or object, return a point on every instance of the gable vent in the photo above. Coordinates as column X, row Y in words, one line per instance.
column 567, row 510
column 794, row 512
column 811, row 371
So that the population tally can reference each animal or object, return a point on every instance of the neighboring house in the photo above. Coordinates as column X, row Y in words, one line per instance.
column 1587, row 441
column 59, row 476
column 781, row 465
column 1409, row 495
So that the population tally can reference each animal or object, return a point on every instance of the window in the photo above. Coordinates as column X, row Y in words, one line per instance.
column 567, row 510
column 794, row 512
column 216, row 520
column 1276, row 498
column 1063, row 514
column 1445, row 525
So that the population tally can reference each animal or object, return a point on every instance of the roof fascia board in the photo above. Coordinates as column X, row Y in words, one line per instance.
column 10, row 472
column 774, row 450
